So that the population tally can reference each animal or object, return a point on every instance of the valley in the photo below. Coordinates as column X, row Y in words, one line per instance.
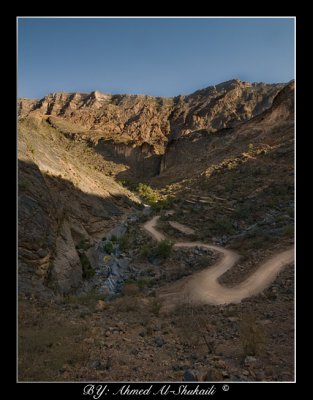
column 156, row 235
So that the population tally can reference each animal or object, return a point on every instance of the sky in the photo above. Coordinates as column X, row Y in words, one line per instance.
column 157, row 57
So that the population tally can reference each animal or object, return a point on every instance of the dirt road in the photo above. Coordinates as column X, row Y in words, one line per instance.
column 203, row 286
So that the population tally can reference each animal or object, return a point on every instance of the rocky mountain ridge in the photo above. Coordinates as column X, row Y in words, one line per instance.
column 155, row 120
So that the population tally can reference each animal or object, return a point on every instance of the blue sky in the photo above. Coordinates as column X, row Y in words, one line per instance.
column 160, row 57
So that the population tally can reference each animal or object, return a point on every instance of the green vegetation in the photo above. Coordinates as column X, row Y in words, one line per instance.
column 124, row 242
column 224, row 225
column 108, row 247
column 88, row 271
column 152, row 198
column 161, row 249
column 83, row 245
column 164, row 248
column 140, row 282
column 89, row 299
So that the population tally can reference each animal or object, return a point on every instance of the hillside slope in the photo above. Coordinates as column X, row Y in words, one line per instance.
column 66, row 196
column 236, row 186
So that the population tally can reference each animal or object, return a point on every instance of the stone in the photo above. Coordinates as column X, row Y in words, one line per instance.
column 249, row 360
column 260, row 376
column 190, row 376
column 89, row 340
column 233, row 319
column 101, row 305
column 220, row 364
column 119, row 231
column 43, row 252
column 95, row 364
column 159, row 341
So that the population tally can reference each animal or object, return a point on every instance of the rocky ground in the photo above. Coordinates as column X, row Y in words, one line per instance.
column 84, row 338
column 127, row 336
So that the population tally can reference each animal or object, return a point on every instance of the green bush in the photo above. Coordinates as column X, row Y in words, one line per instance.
column 147, row 193
column 147, row 249
column 124, row 242
column 89, row 299
column 108, row 247
column 83, row 244
column 140, row 282
column 88, row 271
column 164, row 248
column 161, row 249
column 113, row 239
column 152, row 198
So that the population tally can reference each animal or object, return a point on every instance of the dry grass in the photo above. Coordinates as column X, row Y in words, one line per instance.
column 48, row 342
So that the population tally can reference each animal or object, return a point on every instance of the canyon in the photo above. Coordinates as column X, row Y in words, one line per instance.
column 214, row 167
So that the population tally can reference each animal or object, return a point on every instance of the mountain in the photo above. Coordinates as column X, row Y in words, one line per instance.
column 217, row 168
column 142, row 126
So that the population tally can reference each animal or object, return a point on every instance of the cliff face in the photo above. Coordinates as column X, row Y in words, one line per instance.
column 66, row 196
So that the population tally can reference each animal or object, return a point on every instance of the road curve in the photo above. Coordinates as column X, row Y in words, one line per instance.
column 203, row 287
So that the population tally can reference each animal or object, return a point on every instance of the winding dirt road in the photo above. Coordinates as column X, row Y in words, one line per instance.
column 203, row 287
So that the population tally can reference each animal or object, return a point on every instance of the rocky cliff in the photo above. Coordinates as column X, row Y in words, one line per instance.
column 66, row 197
column 154, row 120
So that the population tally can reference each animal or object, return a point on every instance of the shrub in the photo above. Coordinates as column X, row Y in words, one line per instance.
column 113, row 239
column 128, row 304
column 140, row 283
column 193, row 327
column 147, row 250
column 83, row 244
column 124, row 242
column 155, row 306
column 251, row 336
column 147, row 193
column 108, row 247
column 89, row 299
column 162, row 249
column 88, row 271
column 130, row 289
column 152, row 198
